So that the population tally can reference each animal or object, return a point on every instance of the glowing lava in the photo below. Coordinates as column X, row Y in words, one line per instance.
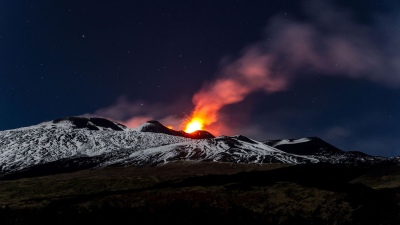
column 193, row 125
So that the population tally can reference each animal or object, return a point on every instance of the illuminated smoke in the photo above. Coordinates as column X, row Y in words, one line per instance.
column 330, row 43
column 133, row 114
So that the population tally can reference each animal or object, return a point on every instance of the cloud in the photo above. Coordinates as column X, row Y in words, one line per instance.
column 133, row 114
column 337, row 133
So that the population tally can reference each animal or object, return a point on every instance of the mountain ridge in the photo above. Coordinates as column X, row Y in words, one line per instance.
column 85, row 171
column 97, row 142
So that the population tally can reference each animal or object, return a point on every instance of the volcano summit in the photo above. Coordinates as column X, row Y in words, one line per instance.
column 81, row 143
column 78, row 169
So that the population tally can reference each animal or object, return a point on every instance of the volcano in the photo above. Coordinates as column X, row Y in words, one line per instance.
column 78, row 169
column 75, row 143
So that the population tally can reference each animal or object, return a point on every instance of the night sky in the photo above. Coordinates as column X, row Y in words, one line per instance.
column 328, row 69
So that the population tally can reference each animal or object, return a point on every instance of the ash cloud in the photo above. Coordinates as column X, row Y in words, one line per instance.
column 330, row 43
column 133, row 114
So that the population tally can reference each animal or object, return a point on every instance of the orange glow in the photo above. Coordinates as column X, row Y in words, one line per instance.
column 170, row 127
column 193, row 125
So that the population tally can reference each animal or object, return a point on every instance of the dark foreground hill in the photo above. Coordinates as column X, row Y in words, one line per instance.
column 207, row 193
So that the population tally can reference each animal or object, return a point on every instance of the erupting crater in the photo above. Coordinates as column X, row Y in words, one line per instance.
column 193, row 125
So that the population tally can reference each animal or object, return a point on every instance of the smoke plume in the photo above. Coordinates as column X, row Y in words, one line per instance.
column 329, row 43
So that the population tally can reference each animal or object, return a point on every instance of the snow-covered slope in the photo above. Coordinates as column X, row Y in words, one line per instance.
column 97, row 142
column 317, row 148
column 101, row 142
column 220, row 149
column 51, row 141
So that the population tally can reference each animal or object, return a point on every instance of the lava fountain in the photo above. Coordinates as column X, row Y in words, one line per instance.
column 193, row 125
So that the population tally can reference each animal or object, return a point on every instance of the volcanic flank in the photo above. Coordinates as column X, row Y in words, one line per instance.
column 91, row 123
column 75, row 161
column 75, row 143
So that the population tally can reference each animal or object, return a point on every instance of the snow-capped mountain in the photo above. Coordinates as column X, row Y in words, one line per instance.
column 323, row 151
column 72, row 137
column 79, row 142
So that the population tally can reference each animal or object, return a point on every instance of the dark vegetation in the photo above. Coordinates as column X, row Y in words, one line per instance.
column 207, row 193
